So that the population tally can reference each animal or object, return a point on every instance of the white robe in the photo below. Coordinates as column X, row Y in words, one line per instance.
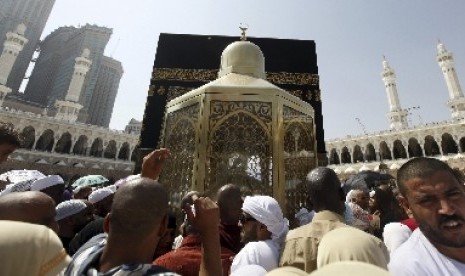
column 417, row 256
column 262, row 253
column 395, row 234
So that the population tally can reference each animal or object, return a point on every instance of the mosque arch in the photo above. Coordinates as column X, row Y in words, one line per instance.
column 64, row 143
column 297, row 137
column 29, row 137
column 431, row 146
column 81, row 145
column 358, row 155
column 110, row 150
column 46, row 141
column 398, row 150
column 448, row 144
column 96, row 149
column 124, row 151
column 414, row 148
column 334, row 157
column 250, row 162
column 134, row 154
column 462, row 144
column 370, row 152
column 384, row 151
column 345, row 156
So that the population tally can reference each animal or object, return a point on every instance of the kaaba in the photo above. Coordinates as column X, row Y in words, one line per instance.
column 185, row 62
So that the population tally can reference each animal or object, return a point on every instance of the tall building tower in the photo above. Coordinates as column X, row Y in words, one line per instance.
column 396, row 115
column 52, row 74
column 47, row 66
column 5, row 6
column 456, row 102
column 68, row 109
column 104, row 95
column 34, row 13
column 11, row 48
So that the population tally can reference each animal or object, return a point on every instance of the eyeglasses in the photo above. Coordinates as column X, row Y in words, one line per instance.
column 243, row 219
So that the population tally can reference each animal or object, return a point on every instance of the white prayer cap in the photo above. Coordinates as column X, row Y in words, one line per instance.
column 100, row 194
column 304, row 216
column 266, row 210
column 49, row 181
column 22, row 186
column 69, row 208
column 113, row 188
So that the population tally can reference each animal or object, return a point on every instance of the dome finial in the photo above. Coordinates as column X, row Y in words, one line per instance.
column 440, row 47
column 385, row 62
column 244, row 28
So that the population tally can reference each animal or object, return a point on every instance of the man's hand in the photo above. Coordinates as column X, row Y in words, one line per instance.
column 206, row 220
column 206, row 215
column 375, row 221
column 153, row 163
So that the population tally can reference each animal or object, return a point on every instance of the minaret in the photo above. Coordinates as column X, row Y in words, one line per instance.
column 397, row 116
column 457, row 100
column 68, row 109
column 13, row 45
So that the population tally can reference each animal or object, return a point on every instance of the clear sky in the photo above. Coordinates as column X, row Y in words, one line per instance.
column 351, row 37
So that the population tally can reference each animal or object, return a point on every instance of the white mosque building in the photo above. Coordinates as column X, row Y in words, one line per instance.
column 393, row 147
column 58, row 138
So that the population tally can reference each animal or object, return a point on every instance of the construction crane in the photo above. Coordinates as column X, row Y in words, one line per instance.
column 409, row 111
column 114, row 49
column 362, row 126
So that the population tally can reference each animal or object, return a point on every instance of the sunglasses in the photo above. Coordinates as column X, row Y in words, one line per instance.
column 243, row 219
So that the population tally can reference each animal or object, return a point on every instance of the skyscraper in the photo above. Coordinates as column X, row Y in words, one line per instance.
column 104, row 95
column 34, row 14
column 4, row 10
column 52, row 74
column 46, row 68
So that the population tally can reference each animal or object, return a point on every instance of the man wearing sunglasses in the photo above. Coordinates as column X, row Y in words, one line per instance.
column 263, row 231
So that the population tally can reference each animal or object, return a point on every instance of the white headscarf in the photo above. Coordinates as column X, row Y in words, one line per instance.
column 266, row 210
column 351, row 244
column 30, row 249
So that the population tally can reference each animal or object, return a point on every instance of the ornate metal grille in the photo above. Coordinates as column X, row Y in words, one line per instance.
column 240, row 146
column 180, row 139
column 299, row 145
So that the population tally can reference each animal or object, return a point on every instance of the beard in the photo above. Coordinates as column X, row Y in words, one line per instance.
column 437, row 235
column 250, row 235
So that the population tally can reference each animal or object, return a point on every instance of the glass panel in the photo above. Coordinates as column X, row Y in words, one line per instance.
column 299, row 157
column 180, row 139
column 240, row 148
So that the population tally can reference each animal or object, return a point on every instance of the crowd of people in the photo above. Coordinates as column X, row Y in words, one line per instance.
column 416, row 227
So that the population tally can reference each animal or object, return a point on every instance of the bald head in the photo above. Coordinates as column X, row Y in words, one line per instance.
column 323, row 188
column 138, row 208
column 33, row 207
column 229, row 201
column 420, row 167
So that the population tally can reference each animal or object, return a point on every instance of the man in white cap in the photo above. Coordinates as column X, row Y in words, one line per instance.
column 101, row 199
column 263, row 230
column 72, row 216
column 52, row 185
